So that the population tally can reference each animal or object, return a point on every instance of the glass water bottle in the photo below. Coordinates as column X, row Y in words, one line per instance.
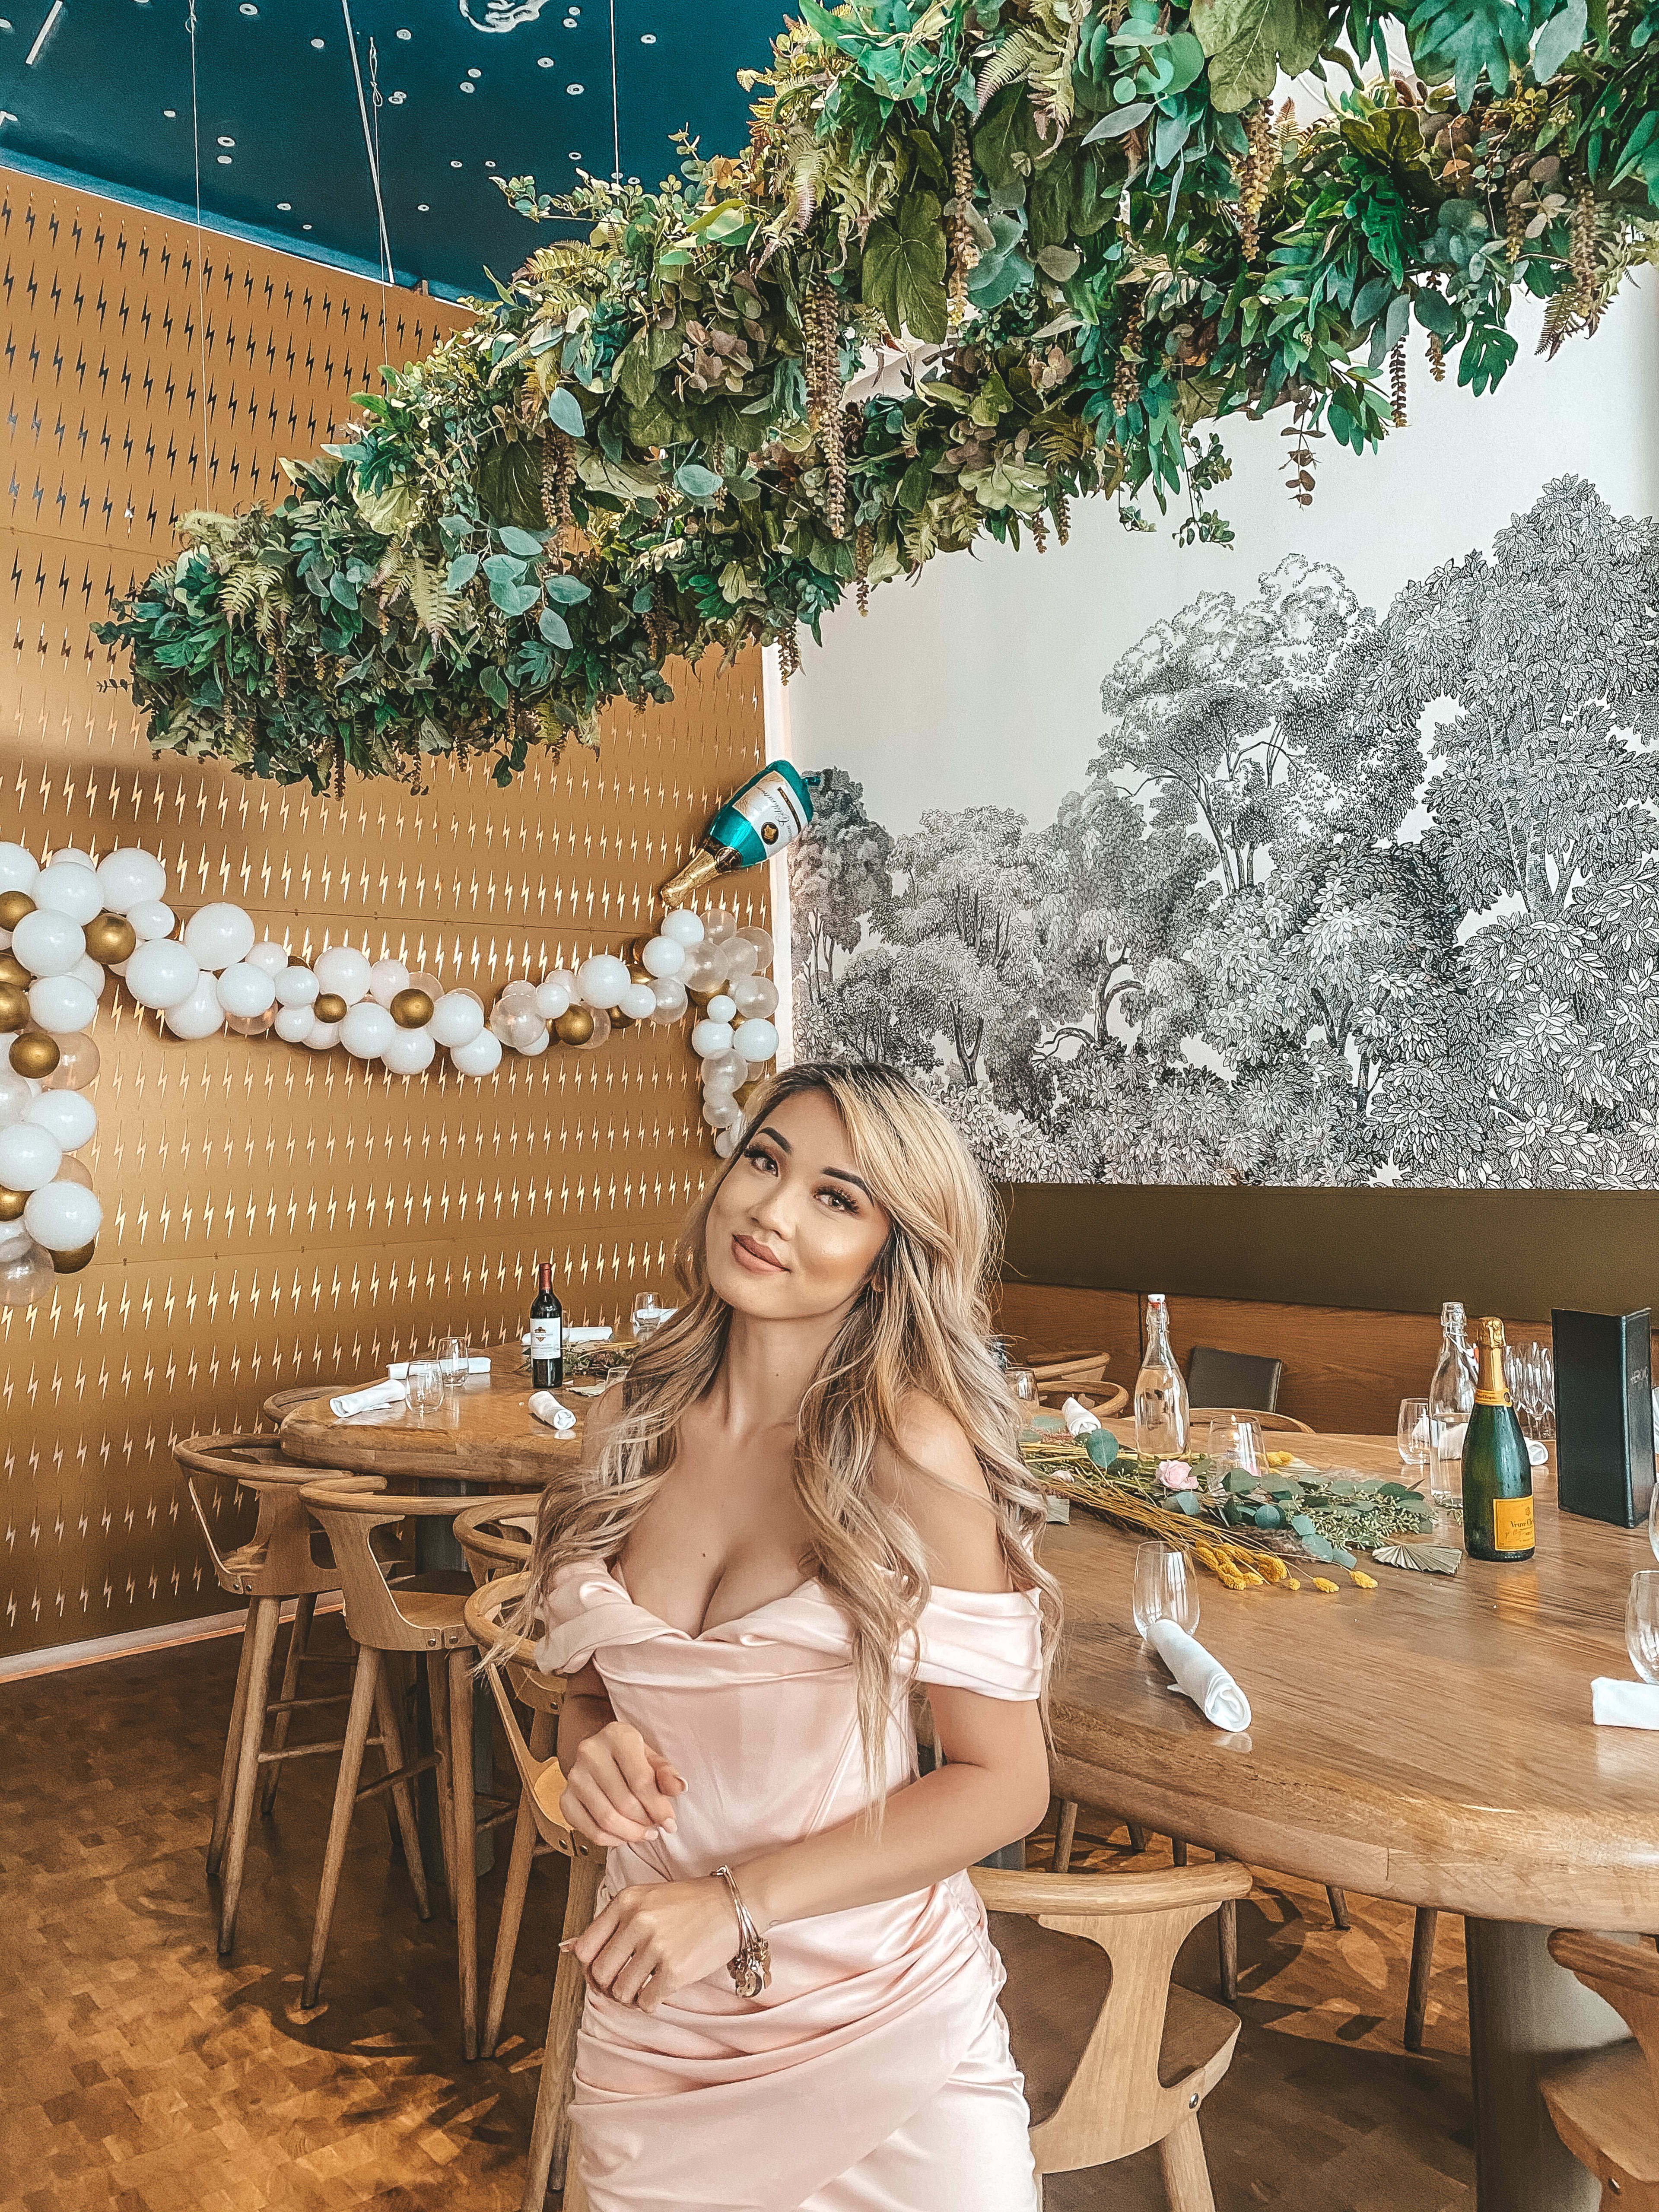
column 1162, row 1423
column 1451, row 1400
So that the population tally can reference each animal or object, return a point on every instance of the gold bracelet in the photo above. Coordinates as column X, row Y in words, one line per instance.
column 750, row 1968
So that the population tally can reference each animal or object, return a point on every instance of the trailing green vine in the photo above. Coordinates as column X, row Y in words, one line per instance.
column 1081, row 223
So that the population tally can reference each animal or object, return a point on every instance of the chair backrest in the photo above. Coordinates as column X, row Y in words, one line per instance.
column 373, row 1614
column 1115, row 2103
column 510, row 1656
column 496, row 1537
column 277, row 1560
column 1244, row 1380
column 1624, row 1976
column 283, row 1402
column 1087, row 1367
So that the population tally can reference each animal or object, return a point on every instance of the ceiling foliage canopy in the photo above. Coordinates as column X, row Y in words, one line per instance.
column 1082, row 223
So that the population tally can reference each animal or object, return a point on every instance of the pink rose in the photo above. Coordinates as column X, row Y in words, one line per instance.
column 1175, row 1474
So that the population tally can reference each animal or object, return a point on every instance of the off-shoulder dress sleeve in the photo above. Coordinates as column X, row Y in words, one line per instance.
column 986, row 1640
column 586, row 1608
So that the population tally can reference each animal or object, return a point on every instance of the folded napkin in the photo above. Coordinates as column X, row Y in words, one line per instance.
column 398, row 1369
column 1078, row 1419
column 1624, row 1704
column 378, row 1398
column 546, row 1407
column 1538, row 1454
column 1200, row 1677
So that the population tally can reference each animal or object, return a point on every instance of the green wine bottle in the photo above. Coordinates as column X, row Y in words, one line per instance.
column 1497, row 1521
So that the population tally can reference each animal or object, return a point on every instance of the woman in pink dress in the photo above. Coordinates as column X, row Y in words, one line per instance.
column 806, row 1498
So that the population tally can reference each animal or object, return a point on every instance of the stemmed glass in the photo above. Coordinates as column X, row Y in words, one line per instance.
column 648, row 1316
column 1414, row 1431
column 453, row 1354
column 1165, row 1589
column 1641, row 1624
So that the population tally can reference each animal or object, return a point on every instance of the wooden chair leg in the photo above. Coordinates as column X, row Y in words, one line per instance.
column 233, row 1749
column 1416, row 1991
column 544, row 1730
column 464, row 1822
column 437, row 1690
column 247, row 1765
column 1185, row 2169
column 1338, row 1902
column 298, row 1637
column 549, row 2131
column 402, row 1793
column 363, row 1684
column 1178, row 1849
column 1064, row 1831
column 1226, row 1945
column 1137, row 1835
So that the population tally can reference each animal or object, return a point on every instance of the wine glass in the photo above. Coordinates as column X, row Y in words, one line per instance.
column 454, row 1352
column 1653, row 1519
column 1023, row 1389
column 1641, row 1624
column 648, row 1316
column 1165, row 1587
column 425, row 1385
column 1414, row 1432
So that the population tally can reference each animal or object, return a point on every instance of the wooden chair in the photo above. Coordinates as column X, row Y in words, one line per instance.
column 283, row 1402
column 1266, row 1422
column 543, row 1786
column 278, row 1563
column 1605, row 2105
column 1116, row 2056
column 1107, row 1400
column 420, row 1614
column 1076, row 1373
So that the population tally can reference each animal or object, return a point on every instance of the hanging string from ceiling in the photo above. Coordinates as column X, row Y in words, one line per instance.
column 615, row 105
column 372, row 149
column 201, row 273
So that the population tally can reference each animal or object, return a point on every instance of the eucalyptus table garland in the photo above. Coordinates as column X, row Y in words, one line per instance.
column 1080, row 221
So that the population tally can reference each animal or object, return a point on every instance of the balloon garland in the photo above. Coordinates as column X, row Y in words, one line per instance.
column 67, row 925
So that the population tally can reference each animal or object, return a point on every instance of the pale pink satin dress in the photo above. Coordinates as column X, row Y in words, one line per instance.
column 874, row 2075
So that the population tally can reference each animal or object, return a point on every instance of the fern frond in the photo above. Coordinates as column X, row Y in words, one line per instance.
column 1021, row 52
column 437, row 607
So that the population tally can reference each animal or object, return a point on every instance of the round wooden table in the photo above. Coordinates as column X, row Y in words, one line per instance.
column 1429, row 1740
column 484, row 1433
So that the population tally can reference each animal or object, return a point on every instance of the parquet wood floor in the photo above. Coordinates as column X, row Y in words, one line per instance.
column 139, row 2073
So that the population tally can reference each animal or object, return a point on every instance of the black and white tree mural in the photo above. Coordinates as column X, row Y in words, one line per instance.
column 1342, row 899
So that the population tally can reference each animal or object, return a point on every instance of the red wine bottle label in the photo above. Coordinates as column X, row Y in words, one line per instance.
column 1511, row 1524
column 546, row 1337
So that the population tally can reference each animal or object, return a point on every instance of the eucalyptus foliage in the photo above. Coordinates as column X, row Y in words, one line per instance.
column 1081, row 223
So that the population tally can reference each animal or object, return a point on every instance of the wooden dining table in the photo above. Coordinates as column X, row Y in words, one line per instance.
column 1429, row 1740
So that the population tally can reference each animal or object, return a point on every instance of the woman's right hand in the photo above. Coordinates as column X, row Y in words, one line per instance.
column 619, row 1791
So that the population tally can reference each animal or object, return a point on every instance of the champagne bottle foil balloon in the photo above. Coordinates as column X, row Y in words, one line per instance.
column 1498, row 1506
column 770, row 813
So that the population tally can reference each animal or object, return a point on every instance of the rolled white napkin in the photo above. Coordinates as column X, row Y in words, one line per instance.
column 1078, row 1419
column 546, row 1407
column 588, row 1335
column 398, row 1369
column 378, row 1398
column 1624, row 1704
column 1200, row 1677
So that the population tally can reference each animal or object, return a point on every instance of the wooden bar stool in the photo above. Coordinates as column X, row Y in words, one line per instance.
column 421, row 1614
column 1116, row 2056
column 300, row 1393
column 278, row 1562
column 1604, row 2104
column 543, row 1786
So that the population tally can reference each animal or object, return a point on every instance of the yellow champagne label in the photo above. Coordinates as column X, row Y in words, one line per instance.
column 1511, row 1524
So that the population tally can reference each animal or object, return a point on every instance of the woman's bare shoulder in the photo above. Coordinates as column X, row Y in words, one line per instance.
column 935, row 1480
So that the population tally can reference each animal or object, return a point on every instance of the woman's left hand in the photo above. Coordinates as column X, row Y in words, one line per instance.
column 656, row 1937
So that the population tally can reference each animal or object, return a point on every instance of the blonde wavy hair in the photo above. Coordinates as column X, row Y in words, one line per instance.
column 921, row 1324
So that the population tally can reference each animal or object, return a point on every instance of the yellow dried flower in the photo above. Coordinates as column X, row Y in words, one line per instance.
column 1361, row 1579
column 1291, row 1582
column 1280, row 1458
column 1320, row 1583
column 1274, row 1569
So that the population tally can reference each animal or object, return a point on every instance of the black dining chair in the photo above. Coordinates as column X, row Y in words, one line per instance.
column 1233, row 1379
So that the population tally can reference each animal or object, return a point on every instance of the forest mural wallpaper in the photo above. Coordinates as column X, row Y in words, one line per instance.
column 1342, row 895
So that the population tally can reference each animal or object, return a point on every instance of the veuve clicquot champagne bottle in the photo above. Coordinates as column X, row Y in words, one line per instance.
column 546, row 1333
column 1496, row 1472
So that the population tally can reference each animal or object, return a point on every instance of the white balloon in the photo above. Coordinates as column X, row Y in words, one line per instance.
column 719, row 925
column 603, row 980
column 755, row 1040
column 14, row 1240
column 756, row 994
column 340, row 968
column 638, row 1002
column 67, row 888
column 18, row 869
column 293, row 1023
column 456, row 1020
column 29, row 1155
column 219, row 935
column 762, row 944
column 246, row 990
column 321, row 1036
column 741, row 958
column 669, row 992
column 152, row 918
column 270, row 956
column 90, row 974
column 408, row 1052
column 710, row 1037
column 160, row 973
column 702, row 971
column 367, row 1029
column 518, row 998
column 721, row 1113
column 200, row 1015
column 67, row 1116
column 682, row 926
column 726, row 1142
column 76, row 857
column 538, row 1045
column 482, row 1056
column 61, row 1002
column 385, row 979
column 132, row 878
column 297, row 986
column 48, row 943
column 727, row 1068
column 63, row 1216
column 721, row 1008
column 552, row 998
column 17, row 1093
column 663, row 956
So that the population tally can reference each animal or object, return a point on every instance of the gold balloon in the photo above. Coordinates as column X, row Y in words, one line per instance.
column 329, row 1007
column 12, row 1203
column 71, row 1263
column 411, row 1009
column 12, row 970
column 34, row 1054
column 109, row 937
column 13, row 1006
column 14, row 905
column 574, row 1026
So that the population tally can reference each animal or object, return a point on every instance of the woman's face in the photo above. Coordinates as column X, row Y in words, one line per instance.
column 793, row 1231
